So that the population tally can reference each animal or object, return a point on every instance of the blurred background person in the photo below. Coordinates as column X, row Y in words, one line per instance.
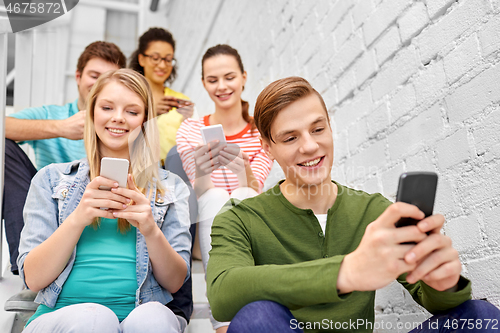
column 217, row 171
column 155, row 59
column 56, row 134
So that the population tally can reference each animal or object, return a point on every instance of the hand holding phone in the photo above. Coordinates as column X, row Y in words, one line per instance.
column 183, row 102
column 419, row 189
column 115, row 169
column 185, row 108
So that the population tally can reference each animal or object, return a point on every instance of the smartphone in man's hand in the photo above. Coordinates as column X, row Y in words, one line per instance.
column 419, row 189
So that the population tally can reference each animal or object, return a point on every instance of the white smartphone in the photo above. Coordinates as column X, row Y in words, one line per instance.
column 213, row 132
column 115, row 169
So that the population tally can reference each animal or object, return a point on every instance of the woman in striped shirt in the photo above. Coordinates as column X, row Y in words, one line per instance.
column 219, row 172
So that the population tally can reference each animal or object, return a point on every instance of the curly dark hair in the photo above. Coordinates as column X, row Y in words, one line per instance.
column 152, row 35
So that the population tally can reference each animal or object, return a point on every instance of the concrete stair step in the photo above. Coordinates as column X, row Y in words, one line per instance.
column 199, row 322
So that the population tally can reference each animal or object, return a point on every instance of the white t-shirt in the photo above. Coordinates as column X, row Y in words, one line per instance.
column 322, row 221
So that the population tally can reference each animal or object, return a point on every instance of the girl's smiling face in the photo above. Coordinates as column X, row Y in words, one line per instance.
column 118, row 112
column 157, row 71
column 223, row 80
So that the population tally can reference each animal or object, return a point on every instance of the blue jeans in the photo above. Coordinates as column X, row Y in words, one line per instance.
column 470, row 316
column 262, row 317
column 18, row 172
column 267, row 316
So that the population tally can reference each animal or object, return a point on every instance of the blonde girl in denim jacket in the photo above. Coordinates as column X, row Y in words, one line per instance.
column 114, row 269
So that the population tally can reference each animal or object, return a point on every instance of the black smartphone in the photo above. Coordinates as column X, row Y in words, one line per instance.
column 419, row 189
column 183, row 102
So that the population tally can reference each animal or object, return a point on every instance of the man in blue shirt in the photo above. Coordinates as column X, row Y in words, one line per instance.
column 56, row 134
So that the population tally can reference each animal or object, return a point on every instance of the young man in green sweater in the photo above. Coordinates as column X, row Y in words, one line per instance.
column 310, row 253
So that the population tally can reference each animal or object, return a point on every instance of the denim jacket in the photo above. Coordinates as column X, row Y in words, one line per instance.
column 54, row 194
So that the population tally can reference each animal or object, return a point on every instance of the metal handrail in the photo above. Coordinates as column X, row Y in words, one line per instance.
column 3, row 102
column 10, row 77
column 4, row 21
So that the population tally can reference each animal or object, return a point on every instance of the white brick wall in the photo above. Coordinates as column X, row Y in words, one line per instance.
column 410, row 85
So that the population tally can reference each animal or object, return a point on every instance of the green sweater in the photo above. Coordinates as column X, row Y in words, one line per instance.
column 265, row 248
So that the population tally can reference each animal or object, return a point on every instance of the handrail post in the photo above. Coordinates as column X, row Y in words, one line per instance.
column 24, row 69
column 3, row 102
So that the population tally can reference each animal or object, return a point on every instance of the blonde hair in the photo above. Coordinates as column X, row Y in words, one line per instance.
column 144, row 150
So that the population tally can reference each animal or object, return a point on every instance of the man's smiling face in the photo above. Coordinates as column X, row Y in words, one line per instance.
column 303, row 142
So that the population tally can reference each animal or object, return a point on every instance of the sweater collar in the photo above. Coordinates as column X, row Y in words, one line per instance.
column 276, row 190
